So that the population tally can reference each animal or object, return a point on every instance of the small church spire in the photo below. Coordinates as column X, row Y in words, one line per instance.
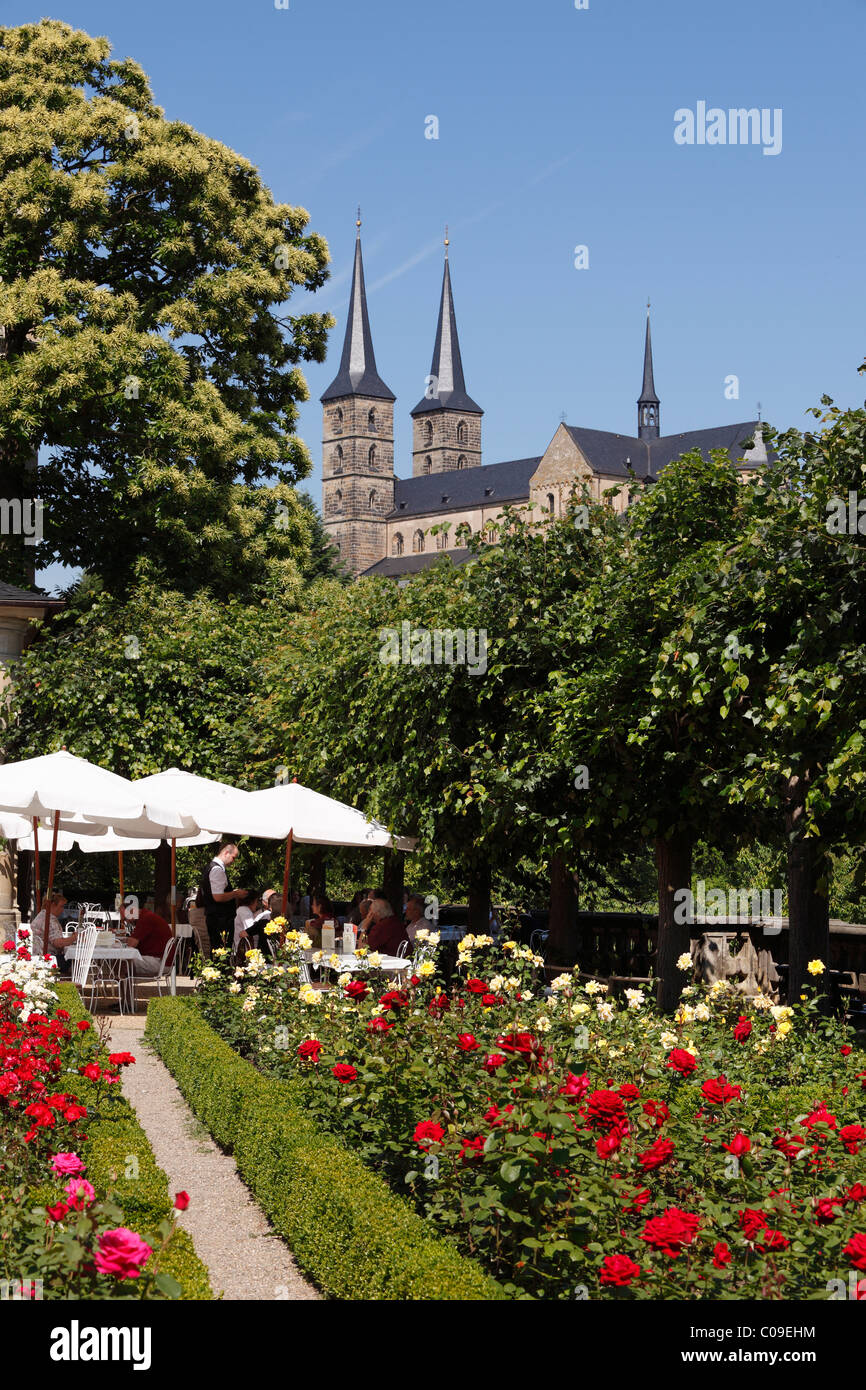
column 358, row 375
column 648, row 406
column 446, row 372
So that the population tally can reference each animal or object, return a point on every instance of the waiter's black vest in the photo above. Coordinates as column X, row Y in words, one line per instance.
column 225, row 912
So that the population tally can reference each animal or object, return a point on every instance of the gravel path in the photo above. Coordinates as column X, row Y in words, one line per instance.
column 246, row 1259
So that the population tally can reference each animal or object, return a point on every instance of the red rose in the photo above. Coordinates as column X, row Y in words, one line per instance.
column 742, row 1029
column 394, row 999
column 618, row 1270
column 825, row 1210
column 856, row 1250
column 575, row 1085
column 493, row 1113
column 752, row 1221
column 82, row 1026
column 493, row 1061
column 62, row 1013
column 629, row 1092
column 344, row 1072
column 820, row 1116
column 91, row 1071
column 121, row 1059
column 181, row 1200
column 471, row 1148
column 772, row 1240
column 721, row 1254
column 309, row 1050
column 719, row 1092
column 672, row 1231
column 477, row 986
column 605, row 1110
column 857, row 1193
column 75, row 1112
column 638, row 1201
column 681, row 1061
column 466, row 1042
column 379, row 1025
column 788, row 1144
column 852, row 1137
column 846, row 1049
column 355, row 989
column 522, row 1043
column 606, row 1145
column 739, row 1145
column 657, row 1111
column 489, row 1000
column 58, row 1211
column 657, row 1154
column 427, row 1133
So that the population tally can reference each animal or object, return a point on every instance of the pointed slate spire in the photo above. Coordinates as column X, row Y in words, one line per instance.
column 357, row 375
column 648, row 407
column 447, row 388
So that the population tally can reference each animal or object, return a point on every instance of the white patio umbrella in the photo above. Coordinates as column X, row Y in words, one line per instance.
column 59, row 785
column 296, row 813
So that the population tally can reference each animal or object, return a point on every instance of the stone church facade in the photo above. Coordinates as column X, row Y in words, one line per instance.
column 394, row 526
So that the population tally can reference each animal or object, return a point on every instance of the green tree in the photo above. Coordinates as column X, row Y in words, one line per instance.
column 145, row 348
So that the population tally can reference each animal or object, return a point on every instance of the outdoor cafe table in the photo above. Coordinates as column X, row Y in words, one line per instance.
column 111, row 959
column 388, row 965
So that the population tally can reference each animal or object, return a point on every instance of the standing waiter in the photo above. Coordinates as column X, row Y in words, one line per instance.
column 218, row 898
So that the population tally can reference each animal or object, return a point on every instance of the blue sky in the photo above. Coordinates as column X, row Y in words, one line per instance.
column 556, row 129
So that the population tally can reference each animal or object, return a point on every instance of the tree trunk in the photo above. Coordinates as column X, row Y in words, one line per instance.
column 479, row 897
column 808, row 910
column 317, row 873
column 162, row 879
column 393, row 870
column 562, row 931
column 674, row 865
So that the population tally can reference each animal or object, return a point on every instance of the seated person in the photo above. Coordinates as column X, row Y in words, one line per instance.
column 55, row 944
column 323, row 911
column 382, row 929
column 359, row 902
column 151, row 934
column 414, row 915
column 244, row 918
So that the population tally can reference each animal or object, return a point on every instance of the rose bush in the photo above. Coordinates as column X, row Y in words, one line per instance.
column 54, row 1225
column 574, row 1141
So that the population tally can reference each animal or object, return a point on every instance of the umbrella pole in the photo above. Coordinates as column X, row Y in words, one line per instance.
column 36, row 861
column 120, row 879
column 51, row 864
column 286, row 874
column 173, row 890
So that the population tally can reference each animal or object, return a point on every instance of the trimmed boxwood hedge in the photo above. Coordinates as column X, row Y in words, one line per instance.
column 112, row 1141
column 346, row 1228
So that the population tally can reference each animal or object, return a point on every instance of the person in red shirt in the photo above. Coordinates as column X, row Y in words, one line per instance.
column 151, row 934
column 384, row 930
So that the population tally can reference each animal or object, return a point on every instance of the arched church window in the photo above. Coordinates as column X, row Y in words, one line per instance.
column 397, row 545
column 418, row 543
column 371, row 456
column 338, row 501
column 371, row 420
column 551, row 503
column 442, row 540
column 428, row 464
column 338, row 420
column 338, row 459
column 371, row 500
column 461, row 432
column 461, row 462
column 428, row 432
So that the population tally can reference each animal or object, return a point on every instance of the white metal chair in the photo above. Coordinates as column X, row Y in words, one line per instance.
column 403, row 949
column 166, row 965
column 83, row 962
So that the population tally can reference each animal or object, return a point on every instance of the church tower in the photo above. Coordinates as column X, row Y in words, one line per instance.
column 358, row 441
column 648, row 407
column 446, row 422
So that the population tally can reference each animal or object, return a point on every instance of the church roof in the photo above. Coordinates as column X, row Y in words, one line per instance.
column 447, row 365
column 394, row 565
column 25, row 597
column 607, row 453
column 358, row 375
column 487, row 485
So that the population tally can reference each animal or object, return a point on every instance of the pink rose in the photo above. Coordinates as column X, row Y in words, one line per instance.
column 80, row 1193
column 68, row 1165
column 122, row 1253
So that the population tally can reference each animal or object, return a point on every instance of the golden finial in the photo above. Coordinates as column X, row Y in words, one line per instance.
column 446, row 241
column 358, row 223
